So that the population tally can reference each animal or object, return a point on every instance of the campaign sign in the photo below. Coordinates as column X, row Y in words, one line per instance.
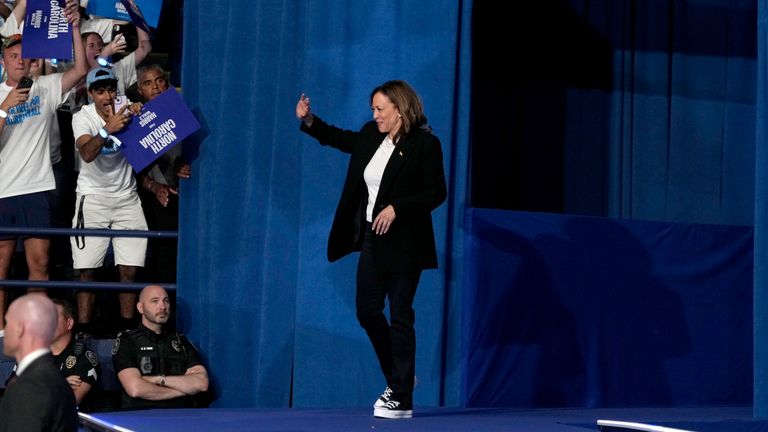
column 163, row 123
column 47, row 34
column 136, row 16
column 150, row 10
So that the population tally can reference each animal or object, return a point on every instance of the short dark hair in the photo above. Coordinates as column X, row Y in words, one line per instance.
column 106, row 83
column 69, row 310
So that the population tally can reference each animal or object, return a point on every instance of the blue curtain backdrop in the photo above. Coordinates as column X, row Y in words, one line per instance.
column 638, row 109
column 760, row 332
column 274, row 319
column 628, row 109
column 563, row 310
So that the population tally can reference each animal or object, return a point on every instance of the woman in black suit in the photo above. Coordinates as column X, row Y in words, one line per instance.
column 394, row 180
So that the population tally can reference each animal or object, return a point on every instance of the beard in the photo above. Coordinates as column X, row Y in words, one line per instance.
column 159, row 318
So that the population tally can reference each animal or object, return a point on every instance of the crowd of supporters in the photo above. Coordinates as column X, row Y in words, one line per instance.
column 62, row 167
column 51, row 181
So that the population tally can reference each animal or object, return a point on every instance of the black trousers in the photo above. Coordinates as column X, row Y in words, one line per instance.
column 394, row 342
column 161, row 262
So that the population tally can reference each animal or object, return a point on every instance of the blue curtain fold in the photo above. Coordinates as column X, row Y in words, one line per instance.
column 683, row 91
column 274, row 319
column 621, row 108
column 760, row 295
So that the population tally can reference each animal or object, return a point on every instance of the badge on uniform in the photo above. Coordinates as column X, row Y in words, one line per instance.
column 176, row 345
column 115, row 346
column 70, row 362
column 92, row 358
column 146, row 365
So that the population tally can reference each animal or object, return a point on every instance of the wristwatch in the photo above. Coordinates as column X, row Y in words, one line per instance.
column 103, row 133
column 3, row 113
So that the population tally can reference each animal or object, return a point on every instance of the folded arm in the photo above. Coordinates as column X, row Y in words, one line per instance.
column 138, row 387
column 194, row 381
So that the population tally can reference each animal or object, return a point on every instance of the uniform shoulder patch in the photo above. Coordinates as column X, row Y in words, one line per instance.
column 115, row 345
column 91, row 356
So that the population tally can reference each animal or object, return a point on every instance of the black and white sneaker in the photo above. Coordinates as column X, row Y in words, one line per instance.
column 384, row 398
column 394, row 410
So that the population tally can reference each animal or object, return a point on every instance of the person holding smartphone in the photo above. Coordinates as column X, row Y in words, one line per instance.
column 125, row 68
column 27, row 115
column 106, row 195
column 159, row 186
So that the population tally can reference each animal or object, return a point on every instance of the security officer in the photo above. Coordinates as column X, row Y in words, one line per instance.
column 157, row 369
column 79, row 365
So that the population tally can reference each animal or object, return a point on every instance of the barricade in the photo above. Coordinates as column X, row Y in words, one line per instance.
column 102, row 347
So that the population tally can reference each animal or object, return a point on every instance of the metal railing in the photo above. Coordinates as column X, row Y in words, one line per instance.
column 88, row 232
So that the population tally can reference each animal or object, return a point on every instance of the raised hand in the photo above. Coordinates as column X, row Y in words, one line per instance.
column 304, row 110
column 117, row 45
column 15, row 97
column 117, row 120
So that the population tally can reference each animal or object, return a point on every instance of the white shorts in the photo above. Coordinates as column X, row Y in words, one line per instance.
column 121, row 213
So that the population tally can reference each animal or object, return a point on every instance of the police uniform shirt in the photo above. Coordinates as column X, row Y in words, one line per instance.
column 154, row 354
column 77, row 360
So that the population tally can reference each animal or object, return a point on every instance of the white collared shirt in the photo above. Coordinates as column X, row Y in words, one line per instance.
column 34, row 355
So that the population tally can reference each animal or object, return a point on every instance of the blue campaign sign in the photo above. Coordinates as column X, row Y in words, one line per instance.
column 47, row 34
column 150, row 10
column 163, row 123
column 136, row 16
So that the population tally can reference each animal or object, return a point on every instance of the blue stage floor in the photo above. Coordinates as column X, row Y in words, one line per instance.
column 714, row 419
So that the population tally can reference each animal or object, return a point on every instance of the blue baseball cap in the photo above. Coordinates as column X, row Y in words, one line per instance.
column 99, row 74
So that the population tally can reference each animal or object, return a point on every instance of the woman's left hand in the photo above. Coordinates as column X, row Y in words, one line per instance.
column 384, row 220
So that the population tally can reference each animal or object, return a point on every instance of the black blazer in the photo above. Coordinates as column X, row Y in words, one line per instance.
column 413, row 183
column 39, row 400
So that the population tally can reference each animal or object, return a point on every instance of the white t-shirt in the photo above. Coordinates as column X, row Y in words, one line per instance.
column 25, row 155
column 11, row 26
column 109, row 174
column 125, row 72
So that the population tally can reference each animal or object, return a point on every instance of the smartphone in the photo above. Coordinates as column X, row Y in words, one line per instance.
column 129, row 33
column 118, row 37
column 120, row 101
column 24, row 83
